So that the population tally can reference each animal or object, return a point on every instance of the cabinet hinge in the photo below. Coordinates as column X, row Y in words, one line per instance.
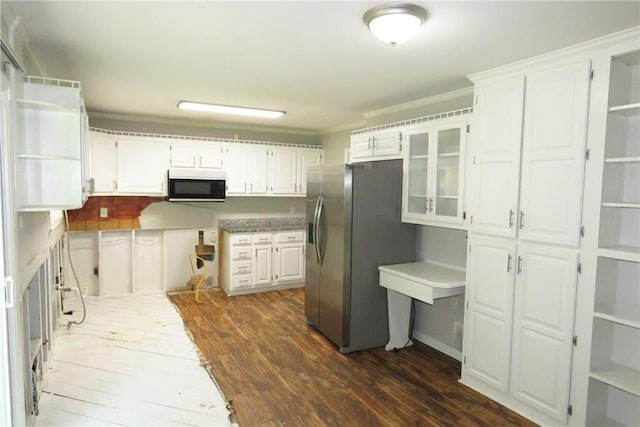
column 400, row 136
column 587, row 154
column 469, row 248
column 476, row 99
column 468, row 128
column 464, row 215
column 400, row 147
column 464, row 359
column 57, row 280
column 467, row 304
column 570, row 410
column 474, row 160
column 116, row 144
column 582, row 231
column 579, row 268
column 471, row 219
column 575, row 340
column 592, row 73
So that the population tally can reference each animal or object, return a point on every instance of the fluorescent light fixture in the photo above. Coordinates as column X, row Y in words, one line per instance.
column 394, row 23
column 227, row 109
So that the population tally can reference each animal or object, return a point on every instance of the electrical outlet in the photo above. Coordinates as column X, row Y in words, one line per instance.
column 458, row 329
column 104, row 212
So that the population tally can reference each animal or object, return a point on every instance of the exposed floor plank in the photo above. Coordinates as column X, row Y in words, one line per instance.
column 131, row 363
column 278, row 371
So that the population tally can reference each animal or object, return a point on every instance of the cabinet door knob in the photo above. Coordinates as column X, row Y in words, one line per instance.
column 519, row 264
column 521, row 220
column 511, row 218
column 509, row 258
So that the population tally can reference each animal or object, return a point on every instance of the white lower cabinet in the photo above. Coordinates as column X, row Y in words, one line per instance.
column 258, row 262
column 519, row 324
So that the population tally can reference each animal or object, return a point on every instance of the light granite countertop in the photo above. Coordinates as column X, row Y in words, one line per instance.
column 253, row 225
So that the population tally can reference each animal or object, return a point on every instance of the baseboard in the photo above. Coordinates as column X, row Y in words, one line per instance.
column 443, row 348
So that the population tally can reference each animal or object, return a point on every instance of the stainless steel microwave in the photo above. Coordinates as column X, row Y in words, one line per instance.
column 196, row 185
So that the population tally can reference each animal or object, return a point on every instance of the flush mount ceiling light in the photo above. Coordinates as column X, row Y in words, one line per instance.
column 394, row 23
column 227, row 109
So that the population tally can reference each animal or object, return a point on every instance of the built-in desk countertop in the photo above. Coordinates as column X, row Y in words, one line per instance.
column 424, row 281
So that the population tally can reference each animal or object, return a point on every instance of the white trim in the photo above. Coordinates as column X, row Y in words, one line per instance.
column 565, row 54
column 200, row 124
column 462, row 113
column 347, row 127
column 441, row 347
column 199, row 138
column 419, row 103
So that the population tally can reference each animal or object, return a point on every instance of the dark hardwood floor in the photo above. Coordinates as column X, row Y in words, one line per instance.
column 276, row 370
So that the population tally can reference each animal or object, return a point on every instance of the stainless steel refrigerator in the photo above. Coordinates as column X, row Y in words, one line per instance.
column 353, row 218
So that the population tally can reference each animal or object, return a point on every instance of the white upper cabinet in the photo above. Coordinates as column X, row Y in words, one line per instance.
column 553, row 154
column 235, row 165
column 377, row 145
column 306, row 157
column 496, row 141
column 433, row 178
column 193, row 154
column 258, row 174
column 282, row 170
column 49, row 145
column 103, row 163
column 142, row 166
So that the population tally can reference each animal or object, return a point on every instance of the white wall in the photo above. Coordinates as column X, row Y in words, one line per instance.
column 436, row 324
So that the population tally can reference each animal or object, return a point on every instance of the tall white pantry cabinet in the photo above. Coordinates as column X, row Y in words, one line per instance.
column 552, row 314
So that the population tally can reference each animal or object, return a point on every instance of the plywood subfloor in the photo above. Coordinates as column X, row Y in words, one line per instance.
column 277, row 371
column 131, row 363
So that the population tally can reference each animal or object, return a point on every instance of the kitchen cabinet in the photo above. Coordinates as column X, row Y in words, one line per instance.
column 282, row 170
column 519, row 320
column 433, row 174
column 142, row 166
column 235, row 160
column 103, row 163
column 50, row 145
column 263, row 261
column 194, row 154
column 128, row 166
column 376, row 145
column 257, row 175
column 307, row 157
column 289, row 257
column 527, row 175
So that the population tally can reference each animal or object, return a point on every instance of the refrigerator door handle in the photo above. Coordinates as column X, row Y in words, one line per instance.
column 320, row 236
column 315, row 229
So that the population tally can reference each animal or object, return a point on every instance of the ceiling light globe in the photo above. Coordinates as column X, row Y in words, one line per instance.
column 395, row 23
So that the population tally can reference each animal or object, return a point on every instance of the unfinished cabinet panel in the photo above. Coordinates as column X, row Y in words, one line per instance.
column 115, row 255
column 147, row 261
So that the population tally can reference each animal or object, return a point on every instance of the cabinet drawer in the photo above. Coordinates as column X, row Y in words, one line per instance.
column 240, row 253
column 243, row 281
column 240, row 239
column 290, row 237
column 261, row 238
column 241, row 267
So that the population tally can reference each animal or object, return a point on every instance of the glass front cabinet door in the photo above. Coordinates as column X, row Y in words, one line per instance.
column 433, row 174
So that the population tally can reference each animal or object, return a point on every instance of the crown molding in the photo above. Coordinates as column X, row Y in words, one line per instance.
column 419, row 103
column 199, row 124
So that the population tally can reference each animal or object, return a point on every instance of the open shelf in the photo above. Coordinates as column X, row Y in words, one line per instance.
column 421, row 156
column 625, row 253
column 45, row 157
column 626, row 109
column 449, row 154
column 628, row 316
column 444, row 196
column 620, row 377
column 44, row 106
column 621, row 205
column 622, row 159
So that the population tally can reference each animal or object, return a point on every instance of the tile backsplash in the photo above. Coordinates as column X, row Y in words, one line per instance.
column 119, row 213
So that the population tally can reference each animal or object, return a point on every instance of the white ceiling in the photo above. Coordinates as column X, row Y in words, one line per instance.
column 316, row 60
